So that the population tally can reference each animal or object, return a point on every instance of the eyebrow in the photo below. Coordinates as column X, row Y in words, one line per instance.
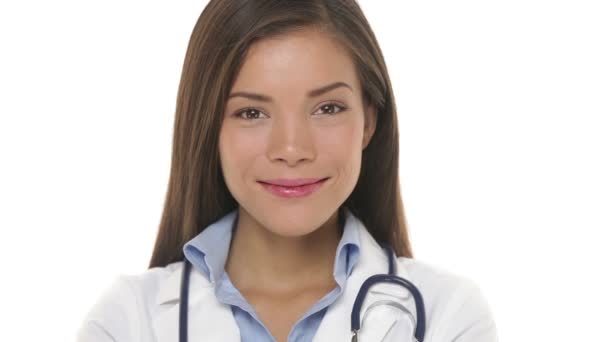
column 311, row 93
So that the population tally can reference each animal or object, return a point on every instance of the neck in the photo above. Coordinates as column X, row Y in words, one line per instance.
column 262, row 260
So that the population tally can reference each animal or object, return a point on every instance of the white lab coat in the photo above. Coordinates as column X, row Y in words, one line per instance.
column 144, row 307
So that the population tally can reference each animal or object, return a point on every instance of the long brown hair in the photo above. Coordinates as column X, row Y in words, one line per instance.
column 197, row 194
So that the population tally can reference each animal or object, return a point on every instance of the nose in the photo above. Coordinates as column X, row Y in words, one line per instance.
column 291, row 140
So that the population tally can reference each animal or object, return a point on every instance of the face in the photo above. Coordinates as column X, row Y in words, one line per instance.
column 289, row 133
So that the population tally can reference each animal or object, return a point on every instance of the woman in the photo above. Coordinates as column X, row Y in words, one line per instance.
column 283, row 190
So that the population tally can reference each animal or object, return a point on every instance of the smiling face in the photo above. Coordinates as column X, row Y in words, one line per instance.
column 293, row 131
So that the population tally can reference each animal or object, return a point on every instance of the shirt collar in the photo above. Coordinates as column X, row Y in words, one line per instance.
column 208, row 250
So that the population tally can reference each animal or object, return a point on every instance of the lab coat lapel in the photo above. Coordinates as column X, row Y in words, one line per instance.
column 208, row 319
column 386, row 322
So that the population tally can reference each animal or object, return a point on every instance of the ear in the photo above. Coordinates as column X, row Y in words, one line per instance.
column 371, row 116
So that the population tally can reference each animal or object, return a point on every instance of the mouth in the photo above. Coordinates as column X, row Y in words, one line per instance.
column 293, row 182
column 290, row 188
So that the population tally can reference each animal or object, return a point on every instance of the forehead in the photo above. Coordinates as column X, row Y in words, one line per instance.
column 295, row 62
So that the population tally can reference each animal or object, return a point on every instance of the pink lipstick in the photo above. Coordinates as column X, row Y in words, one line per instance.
column 289, row 188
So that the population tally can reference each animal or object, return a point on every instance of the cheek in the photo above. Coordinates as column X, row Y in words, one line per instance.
column 345, row 138
column 343, row 145
column 238, row 150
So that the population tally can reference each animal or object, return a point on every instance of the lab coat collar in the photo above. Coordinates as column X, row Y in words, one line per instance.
column 335, row 325
column 214, row 321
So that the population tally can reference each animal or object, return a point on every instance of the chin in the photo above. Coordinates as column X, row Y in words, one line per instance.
column 288, row 228
column 289, row 223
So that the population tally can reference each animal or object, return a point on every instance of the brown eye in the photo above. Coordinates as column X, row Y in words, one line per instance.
column 332, row 108
column 250, row 114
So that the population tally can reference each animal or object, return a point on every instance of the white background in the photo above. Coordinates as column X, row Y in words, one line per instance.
column 503, row 110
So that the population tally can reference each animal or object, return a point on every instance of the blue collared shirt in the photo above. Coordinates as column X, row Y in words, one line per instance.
column 208, row 252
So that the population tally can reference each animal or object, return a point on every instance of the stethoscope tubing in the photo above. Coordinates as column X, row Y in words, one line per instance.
column 183, row 302
column 392, row 278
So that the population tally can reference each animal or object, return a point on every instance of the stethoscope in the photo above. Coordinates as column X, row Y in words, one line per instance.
column 355, row 316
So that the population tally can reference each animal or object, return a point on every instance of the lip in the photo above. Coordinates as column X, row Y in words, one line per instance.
column 293, row 181
column 302, row 187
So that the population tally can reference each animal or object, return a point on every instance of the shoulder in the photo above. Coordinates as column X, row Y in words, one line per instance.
column 455, row 304
column 434, row 277
column 117, row 313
